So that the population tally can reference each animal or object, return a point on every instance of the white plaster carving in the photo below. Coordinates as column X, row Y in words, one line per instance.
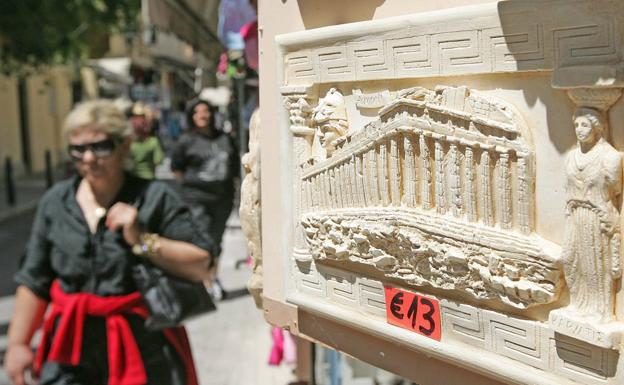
column 330, row 119
column 585, row 363
column 600, row 99
column 592, row 249
column 470, row 187
column 308, row 279
column 504, row 192
column 485, row 124
column 507, row 37
column 426, row 172
column 524, row 194
column 409, row 170
column 455, row 182
column 374, row 100
column 464, row 323
column 395, row 172
column 361, row 187
column 372, row 167
column 341, row 286
column 486, row 189
column 299, row 110
column 518, row 339
column 435, row 189
column 475, row 332
column 605, row 335
column 440, row 193
column 431, row 250
column 383, row 174
column 454, row 122
column 250, row 208
column 371, row 297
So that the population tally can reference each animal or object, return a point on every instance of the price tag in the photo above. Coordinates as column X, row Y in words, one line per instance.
column 413, row 312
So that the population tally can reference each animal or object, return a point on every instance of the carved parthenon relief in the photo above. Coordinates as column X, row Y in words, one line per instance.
column 442, row 170
column 447, row 173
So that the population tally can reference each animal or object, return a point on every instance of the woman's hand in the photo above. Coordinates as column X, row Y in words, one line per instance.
column 124, row 216
column 181, row 258
column 27, row 317
column 17, row 360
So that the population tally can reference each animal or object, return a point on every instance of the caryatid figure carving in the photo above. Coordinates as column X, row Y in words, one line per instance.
column 330, row 119
column 591, row 253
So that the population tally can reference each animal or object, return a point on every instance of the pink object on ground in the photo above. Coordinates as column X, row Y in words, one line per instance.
column 290, row 348
column 277, row 350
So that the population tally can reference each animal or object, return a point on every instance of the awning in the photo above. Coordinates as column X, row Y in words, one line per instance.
column 194, row 21
column 113, row 69
column 217, row 96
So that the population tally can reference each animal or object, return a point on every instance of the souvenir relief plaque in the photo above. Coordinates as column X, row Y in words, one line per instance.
column 460, row 168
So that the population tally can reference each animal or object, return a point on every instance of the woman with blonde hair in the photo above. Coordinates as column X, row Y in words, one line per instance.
column 88, row 234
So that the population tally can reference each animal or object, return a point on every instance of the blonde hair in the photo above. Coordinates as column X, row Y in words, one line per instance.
column 100, row 114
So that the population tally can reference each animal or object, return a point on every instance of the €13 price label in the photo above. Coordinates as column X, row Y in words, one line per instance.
column 413, row 312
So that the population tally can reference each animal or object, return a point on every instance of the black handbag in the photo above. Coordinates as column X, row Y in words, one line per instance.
column 171, row 300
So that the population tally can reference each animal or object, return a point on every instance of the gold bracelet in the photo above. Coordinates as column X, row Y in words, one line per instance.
column 148, row 246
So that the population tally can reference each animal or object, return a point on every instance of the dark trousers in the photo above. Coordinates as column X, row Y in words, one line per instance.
column 214, row 215
column 162, row 364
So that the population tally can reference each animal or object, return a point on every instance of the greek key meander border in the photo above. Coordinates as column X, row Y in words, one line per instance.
column 482, row 45
column 528, row 342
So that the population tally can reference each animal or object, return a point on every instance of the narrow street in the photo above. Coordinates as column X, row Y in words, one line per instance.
column 14, row 234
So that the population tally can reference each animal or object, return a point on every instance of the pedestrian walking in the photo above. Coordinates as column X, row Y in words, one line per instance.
column 88, row 234
column 205, row 161
column 145, row 150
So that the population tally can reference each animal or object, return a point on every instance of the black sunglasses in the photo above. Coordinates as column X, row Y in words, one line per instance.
column 100, row 149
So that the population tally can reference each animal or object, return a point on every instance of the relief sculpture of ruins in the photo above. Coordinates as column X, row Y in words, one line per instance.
column 474, row 160
column 436, row 191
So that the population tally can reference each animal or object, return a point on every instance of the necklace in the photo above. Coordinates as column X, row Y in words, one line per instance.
column 99, row 212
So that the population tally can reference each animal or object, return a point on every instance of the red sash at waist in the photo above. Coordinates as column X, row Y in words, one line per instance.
column 125, row 365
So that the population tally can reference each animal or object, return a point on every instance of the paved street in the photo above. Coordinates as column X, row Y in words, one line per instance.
column 28, row 190
column 13, row 237
column 231, row 345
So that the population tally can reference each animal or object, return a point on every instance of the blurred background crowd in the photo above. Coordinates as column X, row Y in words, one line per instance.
column 151, row 51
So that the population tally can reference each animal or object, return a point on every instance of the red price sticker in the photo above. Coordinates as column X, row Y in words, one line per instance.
column 413, row 312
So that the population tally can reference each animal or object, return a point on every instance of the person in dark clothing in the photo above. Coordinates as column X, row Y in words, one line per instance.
column 88, row 233
column 205, row 161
